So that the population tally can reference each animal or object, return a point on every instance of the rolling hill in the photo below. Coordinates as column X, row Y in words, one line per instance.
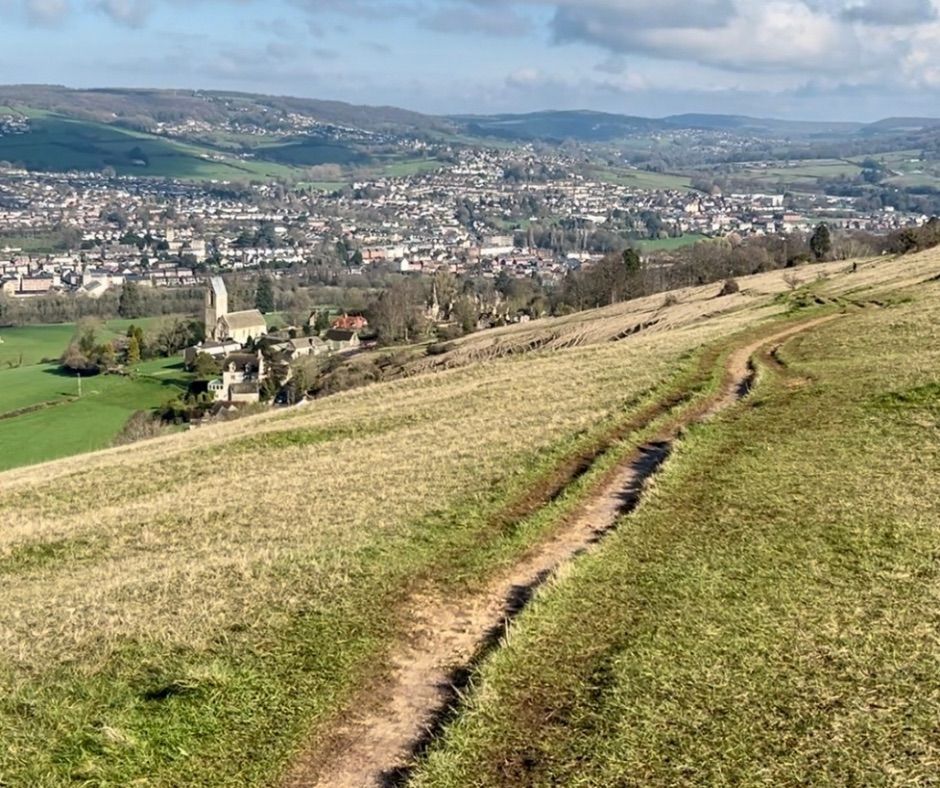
column 229, row 605
column 216, row 134
column 59, row 143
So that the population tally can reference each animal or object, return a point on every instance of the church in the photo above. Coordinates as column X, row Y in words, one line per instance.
column 222, row 324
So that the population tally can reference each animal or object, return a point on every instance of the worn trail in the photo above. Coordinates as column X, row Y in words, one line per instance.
column 376, row 745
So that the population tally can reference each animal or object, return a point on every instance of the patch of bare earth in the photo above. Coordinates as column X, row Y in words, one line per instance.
column 377, row 743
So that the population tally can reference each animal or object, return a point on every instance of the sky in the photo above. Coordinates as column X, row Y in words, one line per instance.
column 801, row 59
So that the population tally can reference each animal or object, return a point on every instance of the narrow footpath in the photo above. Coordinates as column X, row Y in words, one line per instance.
column 378, row 743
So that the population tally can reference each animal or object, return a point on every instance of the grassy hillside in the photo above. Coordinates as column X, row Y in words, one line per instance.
column 58, row 143
column 768, row 616
column 198, row 609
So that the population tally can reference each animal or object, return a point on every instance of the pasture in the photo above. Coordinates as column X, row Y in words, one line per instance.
column 57, row 423
column 57, row 143
column 670, row 244
column 642, row 179
column 28, row 345
column 41, row 417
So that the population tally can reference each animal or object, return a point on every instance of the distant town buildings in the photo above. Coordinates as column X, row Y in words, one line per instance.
column 474, row 215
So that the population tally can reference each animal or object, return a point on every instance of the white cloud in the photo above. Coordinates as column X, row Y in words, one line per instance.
column 132, row 13
column 46, row 12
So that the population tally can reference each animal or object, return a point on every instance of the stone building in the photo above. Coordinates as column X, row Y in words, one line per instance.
column 223, row 325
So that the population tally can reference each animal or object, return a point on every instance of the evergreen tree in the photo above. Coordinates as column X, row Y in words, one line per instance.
column 323, row 321
column 631, row 261
column 821, row 242
column 133, row 351
column 130, row 305
column 264, row 296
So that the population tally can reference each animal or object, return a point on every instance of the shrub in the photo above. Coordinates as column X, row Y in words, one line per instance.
column 671, row 300
column 141, row 426
column 440, row 348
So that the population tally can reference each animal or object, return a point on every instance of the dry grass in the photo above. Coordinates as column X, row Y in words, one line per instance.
column 223, row 557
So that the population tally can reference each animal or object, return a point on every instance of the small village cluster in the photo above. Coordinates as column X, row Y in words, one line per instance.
column 240, row 342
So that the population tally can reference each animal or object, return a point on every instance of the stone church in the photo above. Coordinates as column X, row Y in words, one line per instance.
column 222, row 324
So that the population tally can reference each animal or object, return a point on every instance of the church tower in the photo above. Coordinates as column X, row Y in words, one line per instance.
column 216, row 306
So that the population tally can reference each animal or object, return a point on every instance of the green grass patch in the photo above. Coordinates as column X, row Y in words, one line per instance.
column 671, row 244
column 72, row 425
column 642, row 179
column 26, row 345
column 56, row 143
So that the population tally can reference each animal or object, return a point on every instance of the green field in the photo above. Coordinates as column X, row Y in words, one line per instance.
column 670, row 244
column 408, row 167
column 66, row 425
column 910, row 171
column 768, row 616
column 641, row 179
column 70, row 425
column 35, row 343
column 58, row 143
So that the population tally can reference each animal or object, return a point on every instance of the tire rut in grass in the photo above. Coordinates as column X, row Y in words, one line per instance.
column 430, row 672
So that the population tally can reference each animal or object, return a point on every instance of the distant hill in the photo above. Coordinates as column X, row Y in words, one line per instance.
column 895, row 125
column 233, row 135
column 149, row 107
column 552, row 126
column 749, row 125
column 587, row 126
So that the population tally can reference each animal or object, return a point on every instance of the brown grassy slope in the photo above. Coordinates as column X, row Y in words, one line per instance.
column 166, row 548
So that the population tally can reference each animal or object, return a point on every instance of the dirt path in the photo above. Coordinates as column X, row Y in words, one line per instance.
column 376, row 746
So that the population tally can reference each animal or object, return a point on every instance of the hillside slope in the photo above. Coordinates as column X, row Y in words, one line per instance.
column 768, row 615
column 198, row 609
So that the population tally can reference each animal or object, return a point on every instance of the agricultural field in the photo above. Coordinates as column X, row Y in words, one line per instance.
column 670, row 244
column 32, row 344
column 60, row 144
column 204, row 608
column 58, row 423
column 642, row 179
column 797, row 174
column 41, row 415
column 905, row 170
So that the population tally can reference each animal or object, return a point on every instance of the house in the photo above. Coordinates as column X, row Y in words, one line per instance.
column 350, row 323
column 242, row 375
column 305, row 346
column 241, row 326
column 342, row 341
column 217, row 350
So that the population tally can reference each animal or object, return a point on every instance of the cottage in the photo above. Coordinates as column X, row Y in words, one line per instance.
column 242, row 375
column 305, row 346
column 342, row 341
